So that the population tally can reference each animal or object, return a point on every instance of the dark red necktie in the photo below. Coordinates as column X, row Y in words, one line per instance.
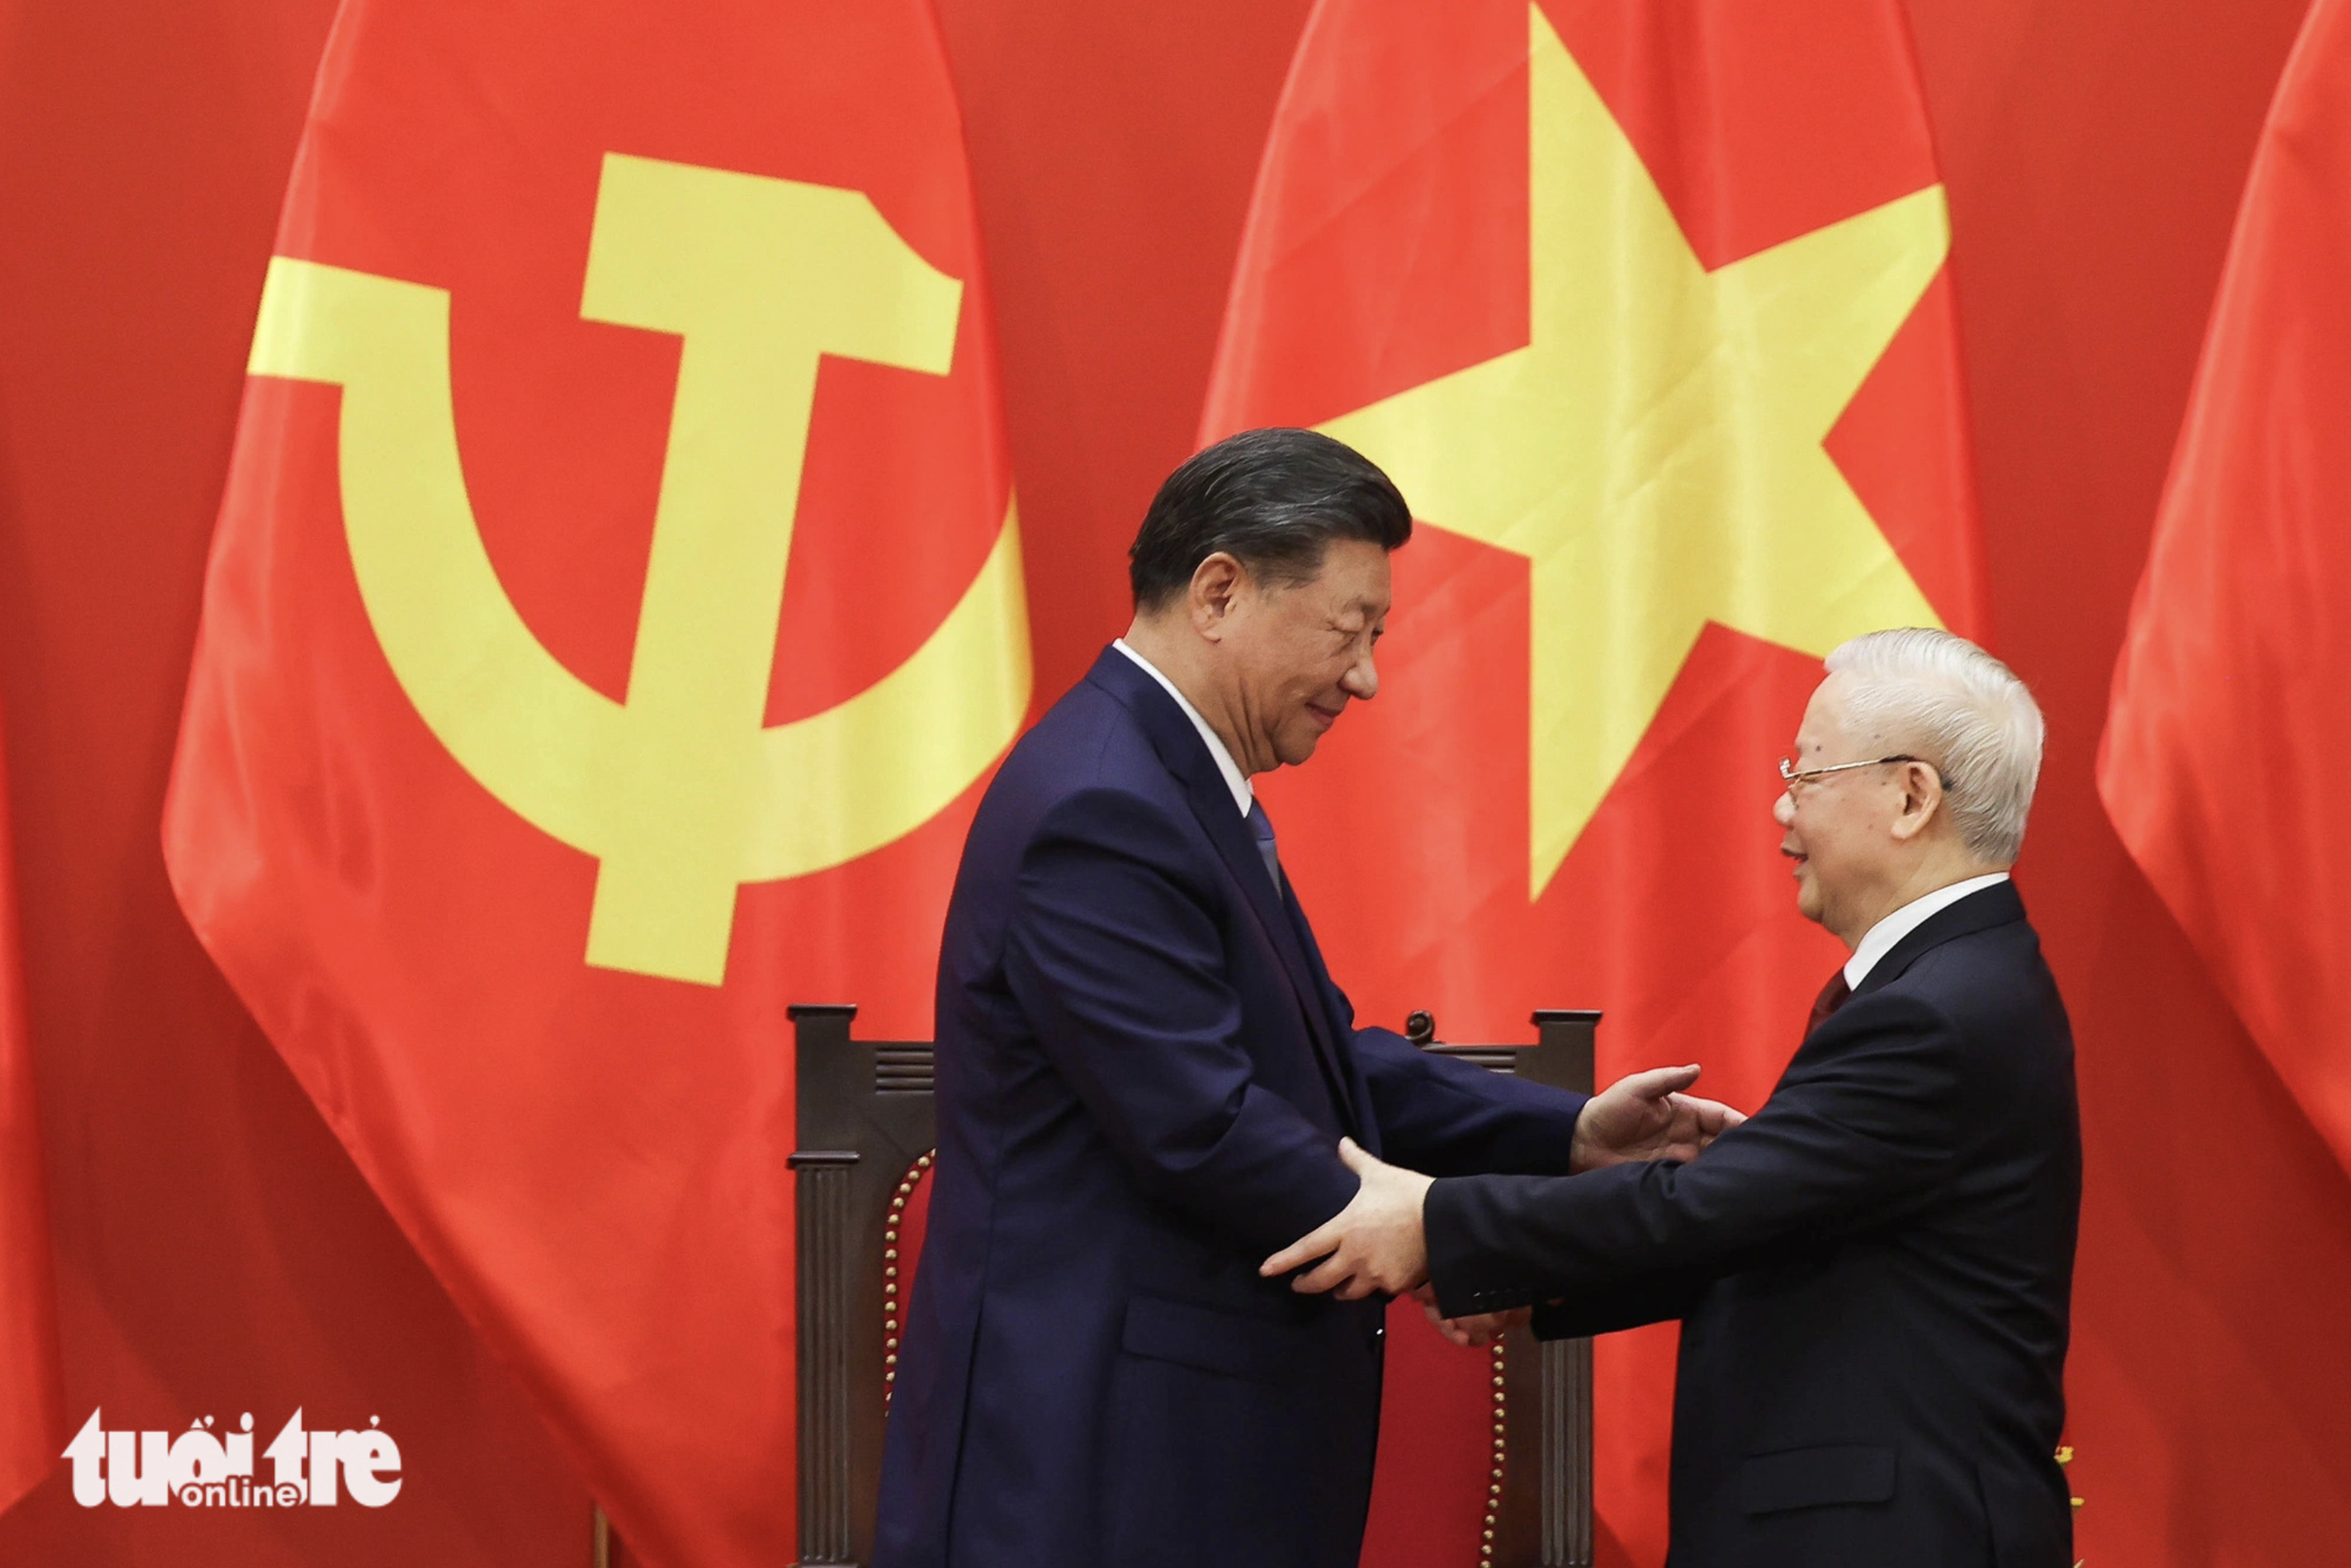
column 1832, row 997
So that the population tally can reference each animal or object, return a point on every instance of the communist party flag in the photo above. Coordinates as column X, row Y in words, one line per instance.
column 1642, row 307
column 2231, row 715
column 615, row 606
column 32, row 1402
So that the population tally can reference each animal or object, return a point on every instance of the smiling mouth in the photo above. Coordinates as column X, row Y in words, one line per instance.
column 1327, row 716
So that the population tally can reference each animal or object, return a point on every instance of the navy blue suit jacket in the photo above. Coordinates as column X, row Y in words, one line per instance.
column 1872, row 1273
column 1143, row 1072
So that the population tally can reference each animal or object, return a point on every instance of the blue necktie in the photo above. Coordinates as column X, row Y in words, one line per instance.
column 1261, row 829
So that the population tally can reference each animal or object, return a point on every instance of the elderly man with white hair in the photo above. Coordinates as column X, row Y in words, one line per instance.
column 1872, row 1273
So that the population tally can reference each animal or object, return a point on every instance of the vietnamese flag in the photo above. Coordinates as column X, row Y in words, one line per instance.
column 1643, row 308
column 615, row 607
column 32, row 1400
column 2231, row 718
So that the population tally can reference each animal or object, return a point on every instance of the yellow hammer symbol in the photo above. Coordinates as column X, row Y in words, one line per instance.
column 682, row 793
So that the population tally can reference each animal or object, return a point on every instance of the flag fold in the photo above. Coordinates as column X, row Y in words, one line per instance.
column 2226, row 723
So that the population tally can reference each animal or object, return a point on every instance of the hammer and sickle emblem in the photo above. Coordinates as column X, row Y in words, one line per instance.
column 682, row 793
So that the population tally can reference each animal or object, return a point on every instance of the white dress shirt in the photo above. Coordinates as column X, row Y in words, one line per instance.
column 1882, row 937
column 1235, row 780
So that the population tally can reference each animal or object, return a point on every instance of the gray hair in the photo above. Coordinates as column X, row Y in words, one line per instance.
column 1962, row 710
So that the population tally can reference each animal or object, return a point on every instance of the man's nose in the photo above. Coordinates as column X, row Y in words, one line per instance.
column 1361, row 680
column 1784, row 810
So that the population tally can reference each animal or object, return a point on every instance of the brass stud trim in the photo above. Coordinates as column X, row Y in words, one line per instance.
column 1493, row 1522
column 892, row 1232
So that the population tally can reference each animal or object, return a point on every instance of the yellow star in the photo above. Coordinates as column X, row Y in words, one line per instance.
column 1654, row 449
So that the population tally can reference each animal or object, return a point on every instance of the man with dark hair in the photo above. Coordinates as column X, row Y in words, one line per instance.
column 1145, row 1072
column 1271, row 499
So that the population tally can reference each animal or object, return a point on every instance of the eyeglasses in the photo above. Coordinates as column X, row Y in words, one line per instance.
column 1791, row 775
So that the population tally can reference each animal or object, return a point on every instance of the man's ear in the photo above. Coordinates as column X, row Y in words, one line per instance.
column 1216, row 584
column 1922, row 800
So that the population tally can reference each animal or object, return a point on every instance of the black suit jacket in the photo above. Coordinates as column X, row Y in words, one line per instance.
column 1872, row 1273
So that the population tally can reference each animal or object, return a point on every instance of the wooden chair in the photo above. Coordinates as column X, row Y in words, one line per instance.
column 866, row 1125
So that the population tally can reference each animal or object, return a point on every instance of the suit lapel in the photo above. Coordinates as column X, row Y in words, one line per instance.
column 1998, row 905
column 1367, row 1132
column 1179, row 745
column 1212, row 803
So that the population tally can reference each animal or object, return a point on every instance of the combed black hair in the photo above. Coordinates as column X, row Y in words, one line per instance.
column 1273, row 500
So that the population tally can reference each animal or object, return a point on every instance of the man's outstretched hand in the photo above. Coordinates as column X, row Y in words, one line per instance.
column 1377, row 1243
column 1646, row 1116
column 1374, row 1243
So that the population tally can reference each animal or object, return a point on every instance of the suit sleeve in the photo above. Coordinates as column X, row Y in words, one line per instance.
column 1443, row 1117
column 1861, row 1127
column 1628, row 1305
column 1114, row 953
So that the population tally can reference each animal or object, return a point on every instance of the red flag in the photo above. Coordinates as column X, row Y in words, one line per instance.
column 1643, row 308
column 2231, row 717
column 32, row 1400
column 615, row 603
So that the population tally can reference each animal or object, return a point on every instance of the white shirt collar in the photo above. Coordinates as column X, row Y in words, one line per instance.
column 1882, row 937
column 1235, row 780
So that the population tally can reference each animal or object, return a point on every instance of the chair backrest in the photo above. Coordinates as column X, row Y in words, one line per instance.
column 867, row 1122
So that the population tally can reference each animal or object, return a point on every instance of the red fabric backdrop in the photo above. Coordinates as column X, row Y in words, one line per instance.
column 217, row 1252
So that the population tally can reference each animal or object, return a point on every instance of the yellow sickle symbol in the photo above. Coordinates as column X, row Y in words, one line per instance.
column 682, row 793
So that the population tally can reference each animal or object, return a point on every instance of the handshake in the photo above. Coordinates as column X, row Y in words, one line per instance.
column 1378, row 1243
